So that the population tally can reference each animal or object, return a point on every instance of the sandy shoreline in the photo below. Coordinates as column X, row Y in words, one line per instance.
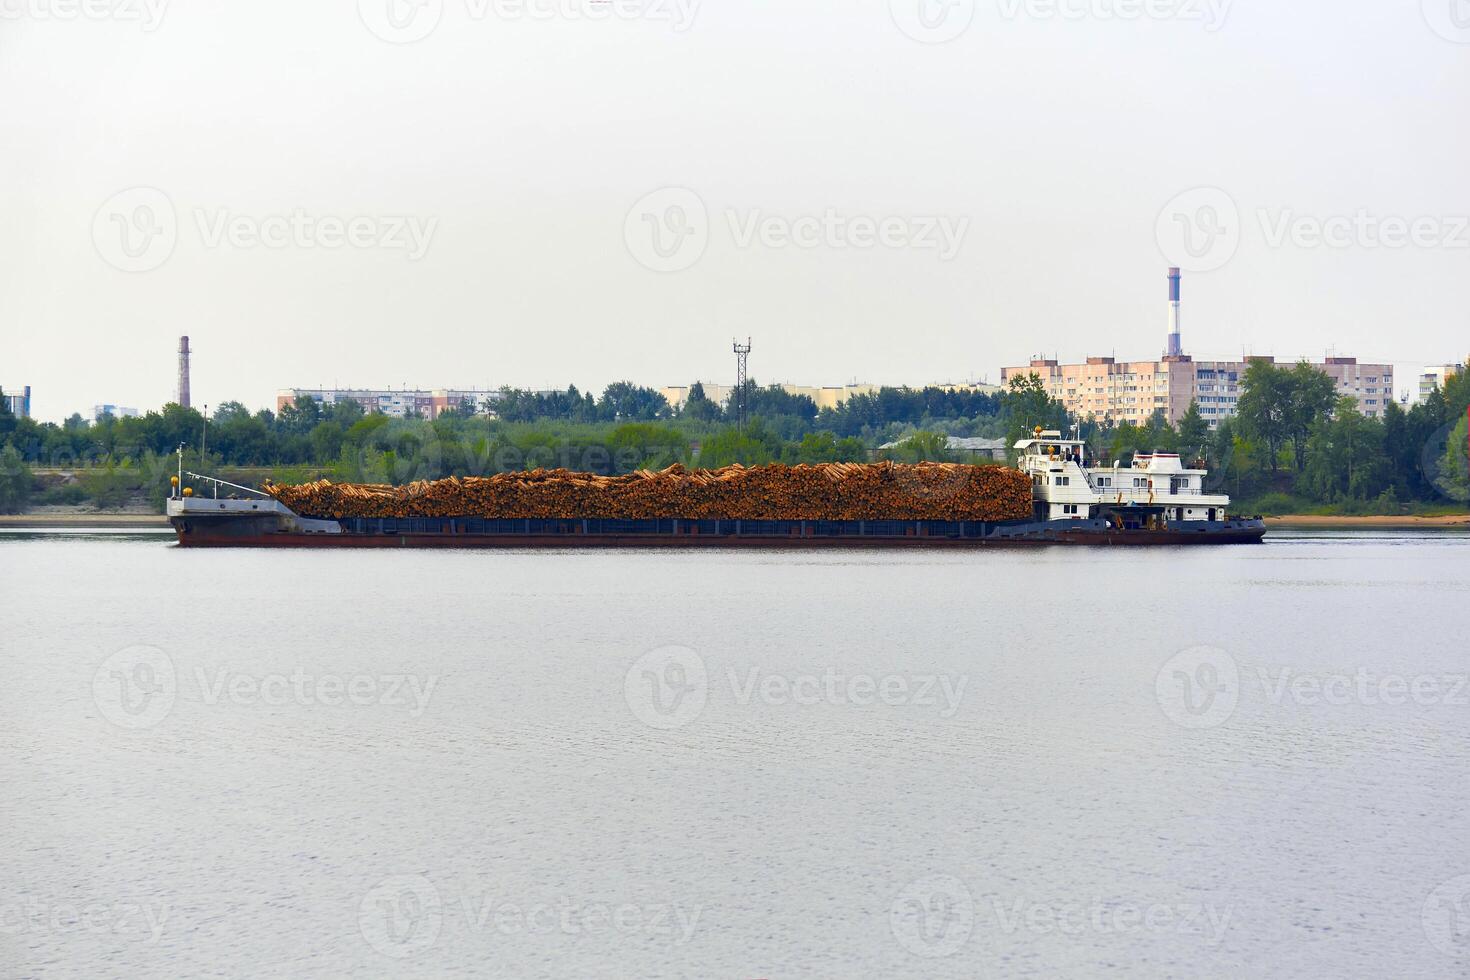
column 1318, row 520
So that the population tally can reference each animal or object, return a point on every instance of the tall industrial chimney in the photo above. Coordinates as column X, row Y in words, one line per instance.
column 183, row 393
column 1176, row 348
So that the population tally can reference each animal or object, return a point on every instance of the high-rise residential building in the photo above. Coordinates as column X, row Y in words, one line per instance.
column 1130, row 391
column 116, row 411
column 1435, row 377
column 19, row 404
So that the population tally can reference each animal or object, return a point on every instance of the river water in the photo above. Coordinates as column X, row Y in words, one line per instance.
column 1216, row 762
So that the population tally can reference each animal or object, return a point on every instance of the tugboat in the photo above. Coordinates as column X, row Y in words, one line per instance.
column 1154, row 500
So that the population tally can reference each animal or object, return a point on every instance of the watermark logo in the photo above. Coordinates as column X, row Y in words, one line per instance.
column 139, row 921
column 135, row 230
column 135, row 687
column 1211, row 14
column 400, row 21
column 932, row 21
column 941, row 234
column 146, row 13
column 1199, row 687
column 667, row 230
column 401, row 915
column 1444, row 461
column 1199, row 230
column 942, row 691
column 1363, row 229
column 1446, row 917
column 933, row 917
column 407, row 691
column 667, row 688
column 1450, row 19
column 1205, row 920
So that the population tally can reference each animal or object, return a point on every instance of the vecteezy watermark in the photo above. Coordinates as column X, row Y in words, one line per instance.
column 1199, row 687
column 408, row 691
column 144, row 921
column 1098, row 917
column 1199, row 230
column 137, row 687
column 933, row 917
column 403, row 915
column 1450, row 19
column 411, row 234
column 932, row 21
column 1363, row 229
column 400, row 21
column 1202, row 687
column 147, row 14
column 1209, row 13
column 407, row 21
column 137, row 229
column 836, row 231
column 669, row 687
column 1446, row 917
column 669, row 229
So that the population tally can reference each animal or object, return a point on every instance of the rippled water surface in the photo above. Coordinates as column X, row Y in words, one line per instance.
column 1216, row 762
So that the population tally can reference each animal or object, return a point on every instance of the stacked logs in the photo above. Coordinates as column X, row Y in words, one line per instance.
column 827, row 491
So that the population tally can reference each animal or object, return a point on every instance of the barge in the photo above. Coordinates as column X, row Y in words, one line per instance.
column 1153, row 501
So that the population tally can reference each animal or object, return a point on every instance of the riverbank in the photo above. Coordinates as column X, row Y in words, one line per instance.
column 84, row 520
column 1333, row 520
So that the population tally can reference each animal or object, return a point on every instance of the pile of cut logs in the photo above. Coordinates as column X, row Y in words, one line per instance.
column 826, row 491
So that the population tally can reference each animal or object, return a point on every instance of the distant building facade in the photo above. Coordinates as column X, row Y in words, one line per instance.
column 394, row 403
column 829, row 397
column 19, row 405
column 1130, row 391
column 1434, row 378
column 966, row 449
column 116, row 411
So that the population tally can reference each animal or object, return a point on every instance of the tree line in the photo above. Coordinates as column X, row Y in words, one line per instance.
column 1292, row 445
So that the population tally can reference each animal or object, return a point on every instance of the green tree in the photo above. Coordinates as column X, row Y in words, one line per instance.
column 1347, row 460
column 1194, row 433
column 15, row 481
column 1264, row 408
column 1312, row 395
column 1026, row 405
column 646, row 447
column 922, row 447
column 699, row 407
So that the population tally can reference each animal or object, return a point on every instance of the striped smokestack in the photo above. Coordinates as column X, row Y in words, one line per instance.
column 1176, row 347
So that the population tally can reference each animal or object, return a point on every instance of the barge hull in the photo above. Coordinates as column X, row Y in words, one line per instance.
column 270, row 530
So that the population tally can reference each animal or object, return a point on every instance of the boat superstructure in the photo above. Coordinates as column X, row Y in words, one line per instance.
column 1155, row 491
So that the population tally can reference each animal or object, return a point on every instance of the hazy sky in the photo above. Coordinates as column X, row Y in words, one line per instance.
column 544, row 192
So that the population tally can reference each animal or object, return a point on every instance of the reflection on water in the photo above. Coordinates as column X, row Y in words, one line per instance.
column 1233, row 761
